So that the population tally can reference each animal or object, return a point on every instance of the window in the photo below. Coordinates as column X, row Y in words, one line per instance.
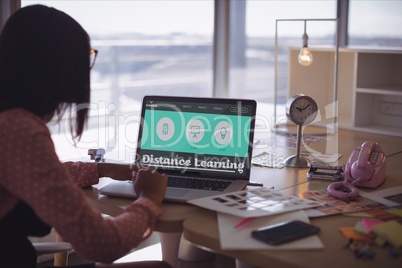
column 375, row 23
column 253, row 61
column 145, row 48
column 166, row 47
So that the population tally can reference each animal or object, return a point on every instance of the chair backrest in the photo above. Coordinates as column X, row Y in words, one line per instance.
column 59, row 249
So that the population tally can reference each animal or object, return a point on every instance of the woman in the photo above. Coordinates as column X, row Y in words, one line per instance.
column 44, row 73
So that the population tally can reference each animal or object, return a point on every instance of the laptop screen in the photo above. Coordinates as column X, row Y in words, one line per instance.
column 197, row 136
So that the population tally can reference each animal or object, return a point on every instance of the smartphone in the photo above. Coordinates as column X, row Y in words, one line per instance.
column 284, row 232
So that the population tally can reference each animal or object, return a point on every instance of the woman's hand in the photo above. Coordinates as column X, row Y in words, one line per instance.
column 150, row 184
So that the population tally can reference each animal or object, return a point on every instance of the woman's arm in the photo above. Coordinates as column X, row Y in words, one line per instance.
column 33, row 173
column 116, row 171
column 88, row 173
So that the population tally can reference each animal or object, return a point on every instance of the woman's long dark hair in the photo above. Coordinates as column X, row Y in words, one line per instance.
column 44, row 65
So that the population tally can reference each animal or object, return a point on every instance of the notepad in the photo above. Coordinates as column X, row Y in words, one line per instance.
column 369, row 223
column 391, row 231
column 351, row 233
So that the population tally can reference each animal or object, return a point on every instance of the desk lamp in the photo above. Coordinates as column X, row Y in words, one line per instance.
column 305, row 56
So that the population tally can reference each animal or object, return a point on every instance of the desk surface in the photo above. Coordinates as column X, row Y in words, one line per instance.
column 199, row 226
column 203, row 229
column 171, row 220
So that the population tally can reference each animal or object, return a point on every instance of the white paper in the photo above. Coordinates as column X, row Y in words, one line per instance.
column 389, row 197
column 254, row 203
column 326, row 158
column 268, row 159
column 232, row 238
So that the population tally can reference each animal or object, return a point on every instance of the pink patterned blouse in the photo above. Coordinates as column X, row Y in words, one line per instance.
column 31, row 172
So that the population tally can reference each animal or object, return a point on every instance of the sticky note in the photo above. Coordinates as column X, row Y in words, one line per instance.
column 359, row 228
column 397, row 212
column 391, row 231
column 369, row 223
column 350, row 233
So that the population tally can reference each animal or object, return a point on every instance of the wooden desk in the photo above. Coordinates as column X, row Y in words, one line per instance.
column 171, row 220
column 199, row 226
column 202, row 229
column 169, row 225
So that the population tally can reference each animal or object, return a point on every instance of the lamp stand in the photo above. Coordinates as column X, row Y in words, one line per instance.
column 276, row 127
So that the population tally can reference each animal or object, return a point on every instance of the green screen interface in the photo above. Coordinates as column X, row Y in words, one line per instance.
column 197, row 137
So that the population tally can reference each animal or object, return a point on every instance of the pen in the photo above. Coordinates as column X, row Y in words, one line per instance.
column 243, row 222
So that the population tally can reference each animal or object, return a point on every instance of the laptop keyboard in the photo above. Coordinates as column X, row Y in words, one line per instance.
column 195, row 183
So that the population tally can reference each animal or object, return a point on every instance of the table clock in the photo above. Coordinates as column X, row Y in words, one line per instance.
column 301, row 110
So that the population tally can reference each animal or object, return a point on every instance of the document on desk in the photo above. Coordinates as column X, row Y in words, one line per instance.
column 254, row 203
column 235, row 239
column 391, row 197
column 366, row 201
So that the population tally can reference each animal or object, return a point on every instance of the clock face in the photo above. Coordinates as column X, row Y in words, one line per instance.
column 301, row 109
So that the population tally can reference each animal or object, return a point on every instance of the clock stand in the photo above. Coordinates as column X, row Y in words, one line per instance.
column 301, row 110
column 297, row 161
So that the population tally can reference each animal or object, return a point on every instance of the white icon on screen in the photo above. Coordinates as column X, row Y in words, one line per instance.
column 195, row 130
column 165, row 129
column 223, row 132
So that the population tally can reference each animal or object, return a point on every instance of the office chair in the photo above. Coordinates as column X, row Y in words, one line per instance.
column 59, row 248
column 61, row 251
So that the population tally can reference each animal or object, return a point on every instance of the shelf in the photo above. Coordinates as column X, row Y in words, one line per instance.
column 369, row 88
column 377, row 69
column 393, row 90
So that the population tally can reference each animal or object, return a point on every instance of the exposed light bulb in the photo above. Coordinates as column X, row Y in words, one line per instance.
column 305, row 57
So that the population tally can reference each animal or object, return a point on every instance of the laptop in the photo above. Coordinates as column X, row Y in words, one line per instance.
column 204, row 145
